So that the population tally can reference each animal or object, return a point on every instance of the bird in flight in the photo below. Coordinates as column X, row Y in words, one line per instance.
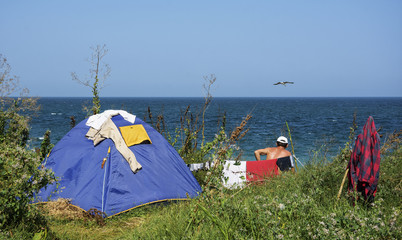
column 283, row 83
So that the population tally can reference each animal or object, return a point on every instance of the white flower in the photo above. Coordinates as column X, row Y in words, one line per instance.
column 281, row 206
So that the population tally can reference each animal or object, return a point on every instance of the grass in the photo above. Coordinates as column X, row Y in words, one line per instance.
column 294, row 206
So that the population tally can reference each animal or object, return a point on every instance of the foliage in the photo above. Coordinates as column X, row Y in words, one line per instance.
column 20, row 174
column 300, row 205
column 99, row 72
column 20, row 178
column 14, row 126
column 46, row 145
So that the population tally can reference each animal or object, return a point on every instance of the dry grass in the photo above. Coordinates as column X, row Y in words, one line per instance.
column 392, row 142
column 62, row 208
column 70, row 222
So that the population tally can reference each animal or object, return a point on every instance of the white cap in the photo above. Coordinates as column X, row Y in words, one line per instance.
column 282, row 139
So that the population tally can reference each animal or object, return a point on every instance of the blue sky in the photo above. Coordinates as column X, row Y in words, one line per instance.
column 165, row 48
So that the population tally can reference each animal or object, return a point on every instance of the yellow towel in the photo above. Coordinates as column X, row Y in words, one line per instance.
column 134, row 134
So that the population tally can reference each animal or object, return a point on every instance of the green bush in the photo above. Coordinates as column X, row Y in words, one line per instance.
column 21, row 174
column 21, row 177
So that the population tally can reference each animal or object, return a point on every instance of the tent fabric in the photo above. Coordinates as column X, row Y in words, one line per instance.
column 134, row 134
column 115, row 188
column 364, row 164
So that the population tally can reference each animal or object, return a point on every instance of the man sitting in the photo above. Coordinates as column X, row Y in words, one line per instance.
column 283, row 156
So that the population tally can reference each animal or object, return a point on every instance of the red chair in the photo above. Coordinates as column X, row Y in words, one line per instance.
column 258, row 171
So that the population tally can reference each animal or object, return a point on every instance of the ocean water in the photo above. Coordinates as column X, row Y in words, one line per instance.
column 315, row 123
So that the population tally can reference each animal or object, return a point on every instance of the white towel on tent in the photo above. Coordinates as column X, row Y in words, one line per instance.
column 96, row 121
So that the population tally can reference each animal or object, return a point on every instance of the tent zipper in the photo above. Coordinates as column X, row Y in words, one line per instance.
column 104, row 178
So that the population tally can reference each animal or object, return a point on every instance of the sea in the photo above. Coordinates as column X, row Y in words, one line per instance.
column 318, row 126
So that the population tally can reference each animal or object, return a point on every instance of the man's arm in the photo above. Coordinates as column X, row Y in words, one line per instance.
column 259, row 152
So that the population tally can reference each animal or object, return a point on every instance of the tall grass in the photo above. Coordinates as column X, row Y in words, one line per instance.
column 300, row 205
column 293, row 206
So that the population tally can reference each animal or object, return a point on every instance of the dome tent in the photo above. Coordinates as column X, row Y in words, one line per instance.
column 100, row 177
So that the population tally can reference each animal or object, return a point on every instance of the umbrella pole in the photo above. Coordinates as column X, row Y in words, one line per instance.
column 343, row 182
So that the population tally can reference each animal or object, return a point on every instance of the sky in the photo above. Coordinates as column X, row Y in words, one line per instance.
column 165, row 48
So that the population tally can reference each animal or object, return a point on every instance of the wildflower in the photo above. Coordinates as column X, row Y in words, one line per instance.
column 325, row 231
column 281, row 206
column 280, row 236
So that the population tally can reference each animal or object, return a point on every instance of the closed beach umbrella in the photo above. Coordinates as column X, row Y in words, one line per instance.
column 364, row 164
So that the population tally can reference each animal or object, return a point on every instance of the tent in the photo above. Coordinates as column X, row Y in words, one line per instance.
column 99, row 176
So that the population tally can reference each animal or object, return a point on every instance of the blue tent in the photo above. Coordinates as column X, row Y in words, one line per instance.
column 93, row 178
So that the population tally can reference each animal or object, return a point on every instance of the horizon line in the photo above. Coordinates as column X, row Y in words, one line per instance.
column 212, row 97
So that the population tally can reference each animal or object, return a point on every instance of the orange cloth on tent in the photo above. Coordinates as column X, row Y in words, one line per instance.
column 259, row 170
column 134, row 134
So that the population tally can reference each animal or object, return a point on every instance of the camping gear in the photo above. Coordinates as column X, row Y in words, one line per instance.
column 237, row 173
column 364, row 164
column 98, row 176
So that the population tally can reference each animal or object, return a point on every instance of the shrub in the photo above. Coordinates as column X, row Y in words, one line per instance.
column 20, row 178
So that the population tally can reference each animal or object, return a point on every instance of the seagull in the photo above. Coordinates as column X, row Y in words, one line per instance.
column 283, row 83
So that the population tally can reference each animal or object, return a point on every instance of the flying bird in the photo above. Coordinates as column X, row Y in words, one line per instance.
column 283, row 83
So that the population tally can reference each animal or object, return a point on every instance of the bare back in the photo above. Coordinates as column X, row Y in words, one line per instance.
column 277, row 152
column 272, row 153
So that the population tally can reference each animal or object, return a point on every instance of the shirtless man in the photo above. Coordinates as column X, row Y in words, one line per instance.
column 284, row 157
column 276, row 152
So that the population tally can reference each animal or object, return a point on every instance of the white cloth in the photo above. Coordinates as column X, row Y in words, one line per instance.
column 96, row 121
column 234, row 175
column 109, row 130
column 198, row 166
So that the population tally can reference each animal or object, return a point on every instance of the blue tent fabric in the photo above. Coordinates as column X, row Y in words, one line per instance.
column 115, row 188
